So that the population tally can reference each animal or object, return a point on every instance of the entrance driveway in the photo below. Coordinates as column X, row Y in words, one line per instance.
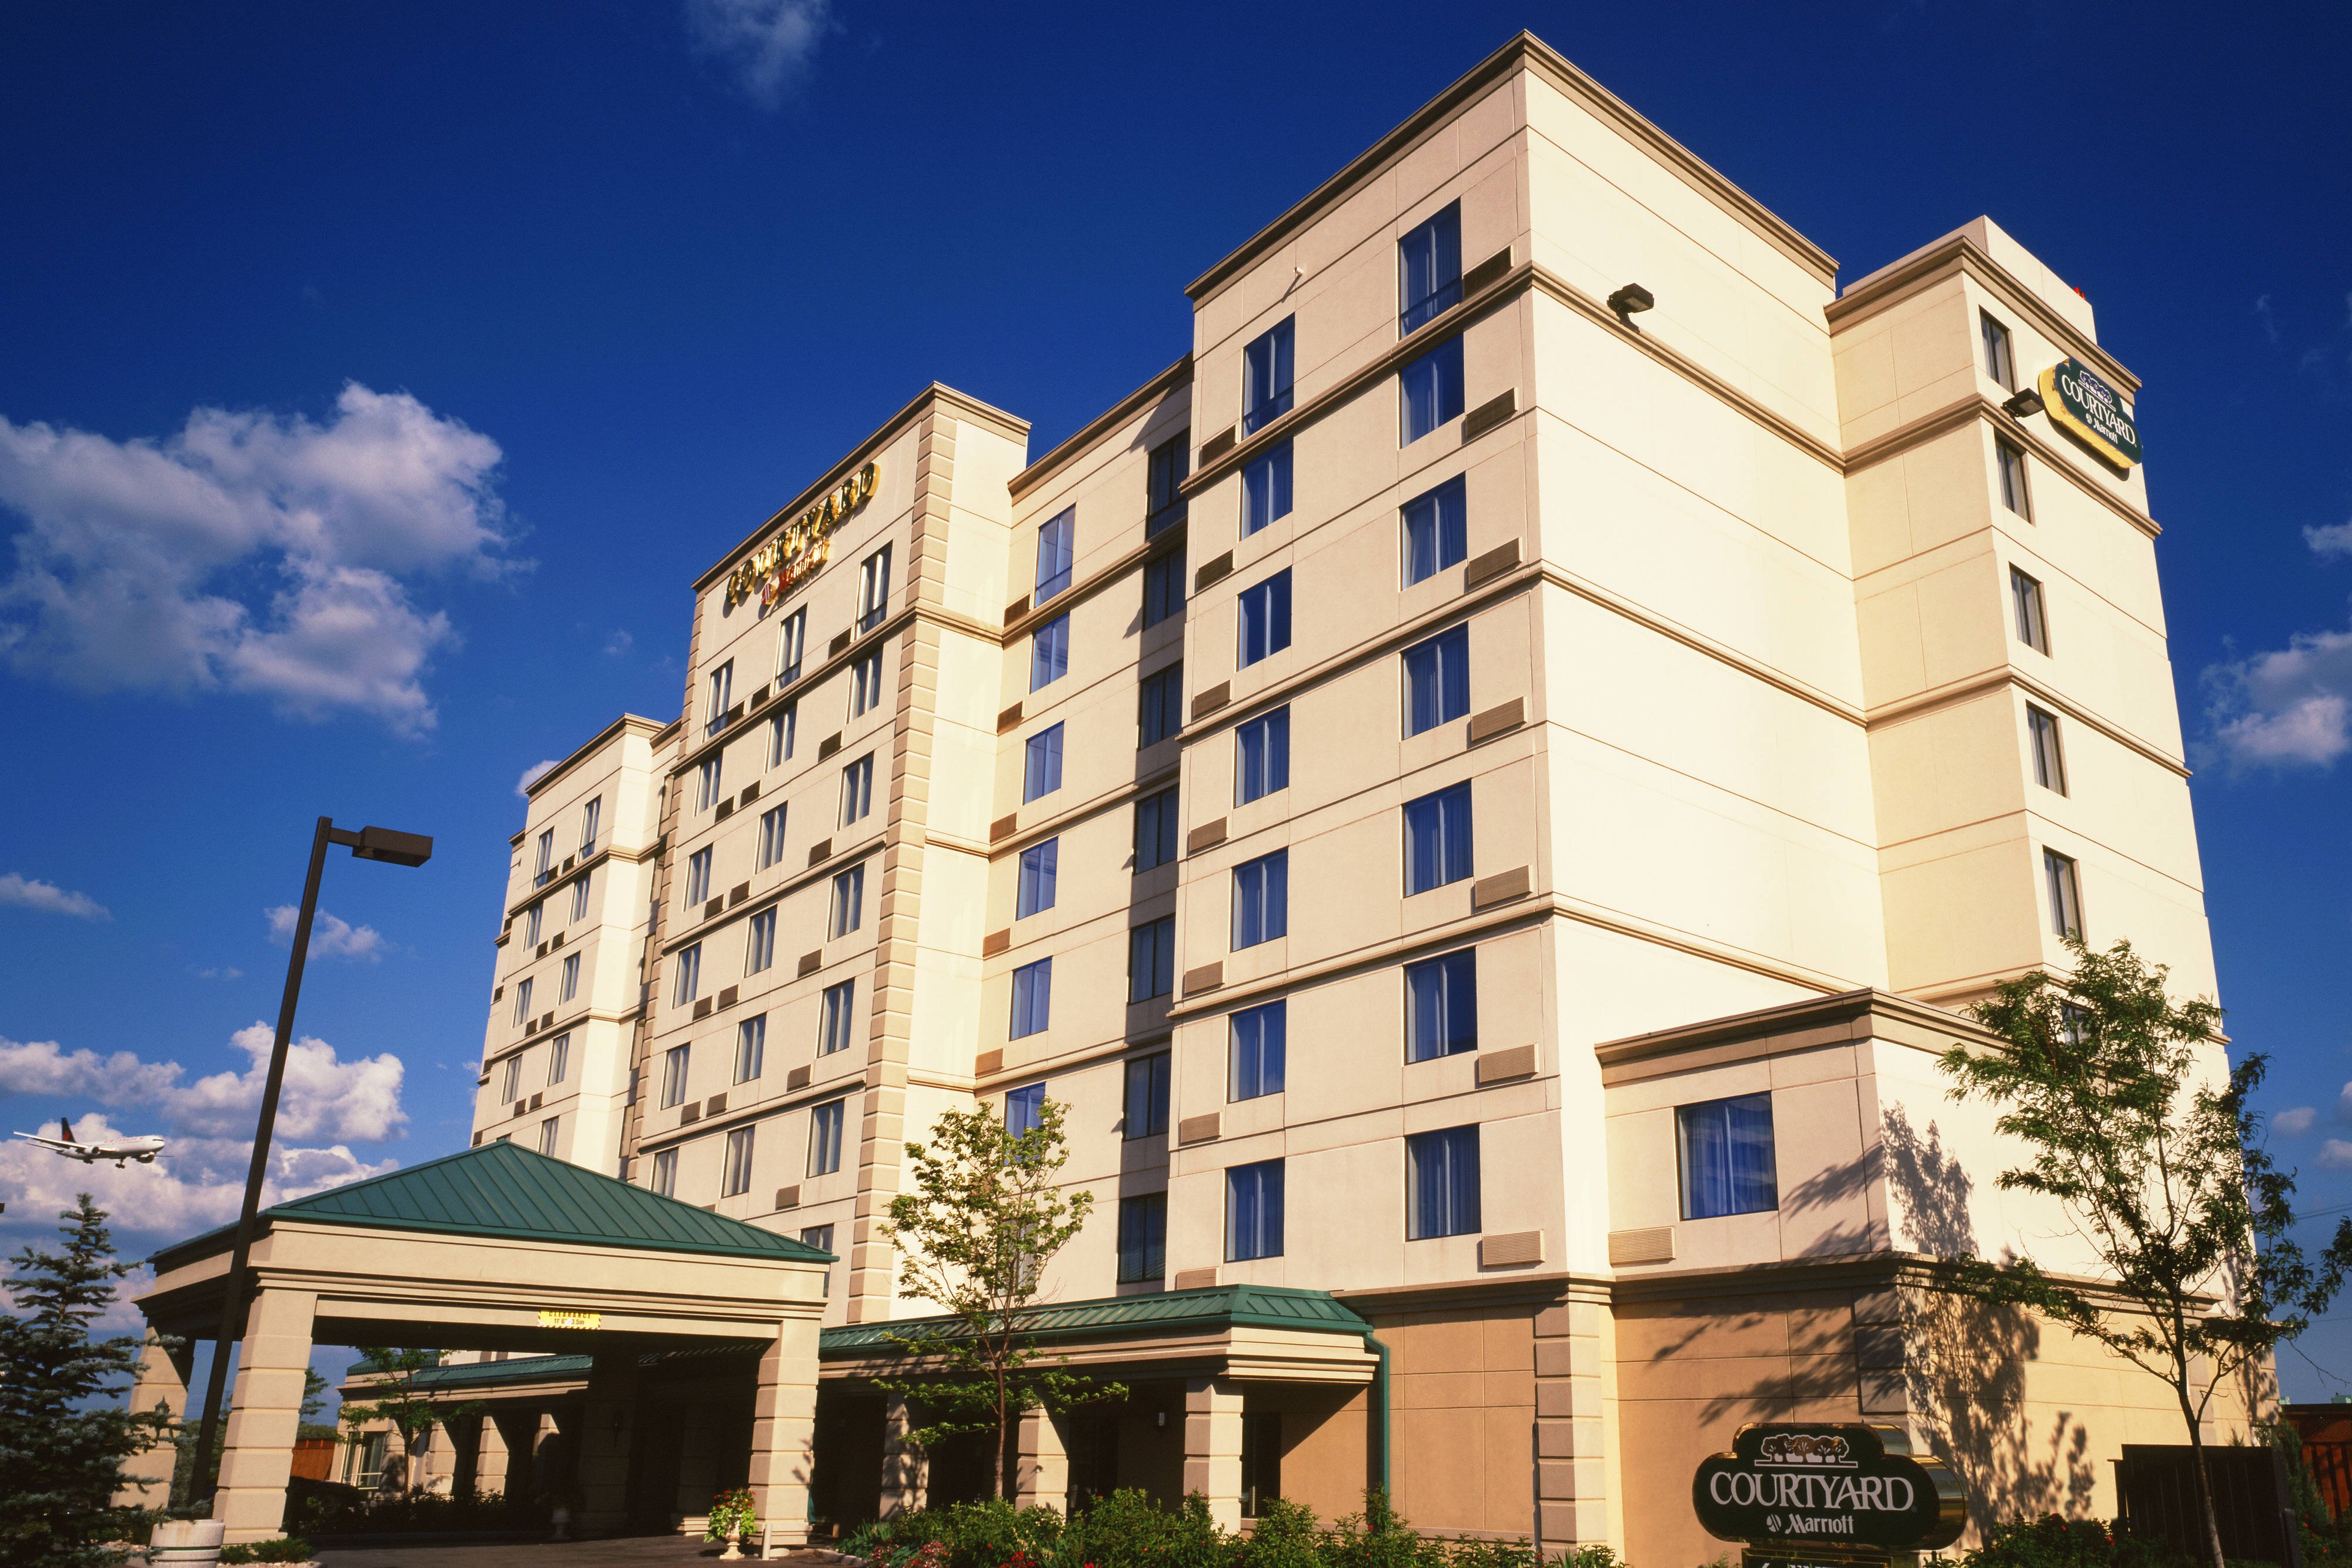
column 613, row 1553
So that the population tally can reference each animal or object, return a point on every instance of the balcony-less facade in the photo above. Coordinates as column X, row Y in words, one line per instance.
column 1485, row 803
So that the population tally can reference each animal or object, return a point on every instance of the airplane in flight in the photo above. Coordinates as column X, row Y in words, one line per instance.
column 119, row 1150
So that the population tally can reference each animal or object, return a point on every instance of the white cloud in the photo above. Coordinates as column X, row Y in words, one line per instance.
column 324, row 1096
column 2335, row 1154
column 2335, row 538
column 2294, row 1123
column 619, row 642
column 48, row 898
column 249, row 552
column 532, row 775
column 2290, row 707
column 332, row 937
column 767, row 43
column 225, row 972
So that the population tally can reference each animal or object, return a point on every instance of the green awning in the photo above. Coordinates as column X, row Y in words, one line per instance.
column 1210, row 1311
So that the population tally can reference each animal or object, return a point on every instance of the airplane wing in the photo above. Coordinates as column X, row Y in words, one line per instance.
column 79, row 1151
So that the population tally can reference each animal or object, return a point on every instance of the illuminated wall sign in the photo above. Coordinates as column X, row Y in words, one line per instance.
column 1795, row 1490
column 804, row 545
column 2090, row 411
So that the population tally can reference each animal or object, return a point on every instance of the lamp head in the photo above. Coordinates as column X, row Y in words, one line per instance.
column 1630, row 299
column 2028, row 401
column 398, row 848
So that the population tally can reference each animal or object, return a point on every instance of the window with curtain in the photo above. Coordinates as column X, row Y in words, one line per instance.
column 665, row 1180
column 1440, row 1177
column 674, row 1064
column 1441, row 1006
column 2014, row 494
column 1151, row 959
column 779, row 734
column 1041, row 764
column 1254, row 1211
column 873, row 588
column 2048, row 766
column 1436, row 530
column 866, row 684
column 1437, row 680
column 2066, row 882
column 735, row 1176
column 1033, row 999
column 591, row 815
column 1159, row 705
column 689, row 974
column 533, row 921
column 1040, row 865
column 1145, row 1100
column 1142, row 1238
column 1429, row 268
column 697, row 879
column 1257, row 1052
column 569, row 986
column 750, row 1048
column 1998, row 363
column 857, row 790
column 825, row 1137
column 759, row 942
column 707, row 783
column 1155, row 830
column 1430, row 390
column 2032, row 625
column 1265, row 376
column 1265, row 488
column 1727, row 1157
column 848, row 899
column 1437, row 838
column 771, row 836
column 1164, row 474
column 511, row 1080
column 1265, row 618
column 1049, row 652
column 1056, row 549
column 1163, row 587
column 1262, row 899
column 559, row 1059
column 789, row 640
column 522, row 1000
column 580, row 896
column 838, row 1018
column 722, row 686
column 1024, row 1109
column 1262, row 756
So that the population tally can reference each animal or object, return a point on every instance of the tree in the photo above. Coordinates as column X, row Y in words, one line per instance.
column 401, row 1399
column 986, row 1215
column 62, row 1438
column 2155, row 1158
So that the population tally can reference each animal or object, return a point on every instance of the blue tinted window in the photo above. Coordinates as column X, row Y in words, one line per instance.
column 1441, row 1184
column 1142, row 1237
column 1265, row 618
column 1155, row 830
column 1436, row 530
column 1265, row 490
column 1039, row 863
column 1262, row 756
column 1163, row 588
column 1437, row 680
column 1055, row 542
column 1024, row 1109
column 1254, row 1211
column 1049, row 652
column 1429, row 269
column 1727, row 1157
column 1040, row 769
column 1262, row 899
column 1258, row 1040
column 1437, row 838
column 1441, row 1006
column 1265, row 377
column 1432, row 387
column 1159, row 705
column 1033, row 999
column 1147, row 1096
column 1151, row 959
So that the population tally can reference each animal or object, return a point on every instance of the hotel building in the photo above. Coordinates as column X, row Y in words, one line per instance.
column 1483, row 787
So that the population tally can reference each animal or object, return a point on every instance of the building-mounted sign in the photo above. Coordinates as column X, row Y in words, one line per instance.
column 2090, row 411
column 793, row 555
column 1794, row 1492
column 551, row 1318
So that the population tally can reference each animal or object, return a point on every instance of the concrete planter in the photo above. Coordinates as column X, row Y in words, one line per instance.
column 185, row 1542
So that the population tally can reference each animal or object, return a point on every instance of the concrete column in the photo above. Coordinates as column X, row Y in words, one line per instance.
column 607, row 1424
column 903, row 1469
column 784, row 1433
column 161, row 1379
column 266, row 1409
column 1212, row 1446
column 1041, row 1463
column 492, row 1459
column 1574, row 1357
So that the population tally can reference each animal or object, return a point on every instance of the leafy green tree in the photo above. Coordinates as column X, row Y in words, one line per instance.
column 2155, row 1156
column 401, row 1398
column 63, row 1438
column 986, row 1214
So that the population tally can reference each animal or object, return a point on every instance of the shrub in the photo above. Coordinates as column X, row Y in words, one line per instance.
column 2051, row 1542
column 285, row 1549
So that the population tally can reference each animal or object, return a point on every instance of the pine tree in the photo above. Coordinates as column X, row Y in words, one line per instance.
column 64, row 1432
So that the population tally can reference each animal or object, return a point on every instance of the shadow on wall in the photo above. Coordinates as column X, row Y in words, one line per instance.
column 1964, row 1360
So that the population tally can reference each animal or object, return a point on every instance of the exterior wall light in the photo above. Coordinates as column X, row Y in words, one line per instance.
column 1630, row 300
column 2028, row 401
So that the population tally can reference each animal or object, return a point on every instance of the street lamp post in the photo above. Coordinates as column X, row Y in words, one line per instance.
column 367, row 845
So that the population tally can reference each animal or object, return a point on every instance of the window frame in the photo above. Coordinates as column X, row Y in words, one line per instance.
column 2029, row 610
column 720, row 690
column 663, row 1179
column 1438, row 666
column 1447, row 508
column 1432, row 387
column 1166, row 467
column 689, row 974
column 1056, row 549
column 837, row 1018
column 1460, row 1213
column 735, row 1167
column 759, row 942
column 848, row 911
column 1688, row 1206
column 1256, row 1051
column 678, row 1062
column 1036, row 878
column 2016, row 489
column 750, row 1048
column 1416, row 312
column 1147, row 1077
column 1434, row 812
column 1264, row 1178
column 1027, row 1106
column 1163, row 587
column 1041, row 756
column 568, row 985
column 1031, row 1011
column 1277, row 347
column 792, row 645
column 1167, row 829
column 873, row 588
column 857, row 790
column 1159, row 705
column 1143, row 1257
column 865, row 683
column 1263, row 608
column 1269, row 769
column 1150, row 959
column 1049, row 652
column 558, row 1058
column 2062, row 876
column 1272, row 898
column 1999, row 351
column 2042, row 740
column 827, row 1120
column 1268, row 494
column 1445, row 973
column 781, row 726
column 772, row 822
column 697, row 891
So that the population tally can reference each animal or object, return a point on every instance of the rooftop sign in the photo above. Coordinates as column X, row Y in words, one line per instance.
column 1792, row 1489
column 792, row 556
column 2090, row 411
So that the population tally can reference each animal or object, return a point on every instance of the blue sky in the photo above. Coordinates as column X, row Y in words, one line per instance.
column 375, row 380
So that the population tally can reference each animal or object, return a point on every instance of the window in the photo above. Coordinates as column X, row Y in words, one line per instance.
column 1441, row 1006
column 368, row 1455
column 780, row 734
column 674, row 1061
column 546, row 858
column 1151, row 959
column 1039, row 866
column 1265, row 490
column 689, row 974
column 759, row 942
column 1437, row 680
column 1033, row 999
column 1261, row 1461
column 1436, row 530
column 570, row 986
column 706, row 789
column 771, row 836
column 873, row 588
column 1997, row 362
column 589, row 815
column 1024, row 1109
column 1049, row 652
column 1429, row 269
column 559, row 1059
column 2012, row 480
column 1041, row 764
column 735, row 1176
column 1159, row 706
column 580, row 896
column 1170, row 462
column 839, row 1016
column 1265, row 618
column 1254, row 1211
column 1437, row 838
column 522, row 1001
column 1727, row 1157
column 721, row 687
column 532, row 919
column 1431, row 389
column 2049, row 767
column 1145, row 1099
column 825, row 1137
column 750, row 1048
column 1262, row 756
column 1257, row 1051
column 866, row 684
column 790, row 640
column 857, row 790
column 1056, row 542
column 1155, row 830
column 1441, row 1184
column 821, row 1238
column 2032, row 625
column 1163, row 587
column 665, row 1173
column 511, row 1081
column 848, row 900
column 2065, row 893
column 1265, row 377
column 1142, row 1238
column 698, row 877
column 1262, row 899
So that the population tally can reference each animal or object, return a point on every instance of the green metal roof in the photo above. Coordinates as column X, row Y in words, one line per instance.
column 503, row 1190
column 1170, row 1312
column 517, row 1369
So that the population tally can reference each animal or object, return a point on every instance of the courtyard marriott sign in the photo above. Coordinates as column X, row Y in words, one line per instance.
column 804, row 545
column 1801, row 1493
column 2090, row 411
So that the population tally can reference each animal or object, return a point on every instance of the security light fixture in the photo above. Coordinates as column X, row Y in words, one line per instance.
column 2028, row 401
column 1630, row 300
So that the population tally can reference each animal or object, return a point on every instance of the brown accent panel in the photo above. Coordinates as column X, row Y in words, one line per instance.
column 788, row 1197
column 828, row 746
column 702, row 1008
column 1515, row 1251
column 1211, row 570
column 571, row 860
column 798, row 1078
column 543, row 949
column 559, row 940
column 1488, row 565
column 1487, row 272
column 1199, row 1129
column 1008, row 718
column 811, row 963
column 1500, row 888
column 1213, row 700
column 1208, row 835
column 547, row 1020
column 734, row 713
column 838, row 646
column 1017, row 609
column 537, row 1100
column 1196, row 1278
column 738, row 893
column 1495, row 410
column 750, row 793
column 995, row 942
column 1217, row 446
column 1653, row 1244
column 712, row 910
column 1004, row 827
column 726, row 997
column 759, row 696
column 691, row 1115
column 1502, row 1066
column 726, row 809
column 988, row 1064
column 819, row 851
column 715, row 1105
column 519, row 1107
column 1497, row 719
column 1207, row 978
